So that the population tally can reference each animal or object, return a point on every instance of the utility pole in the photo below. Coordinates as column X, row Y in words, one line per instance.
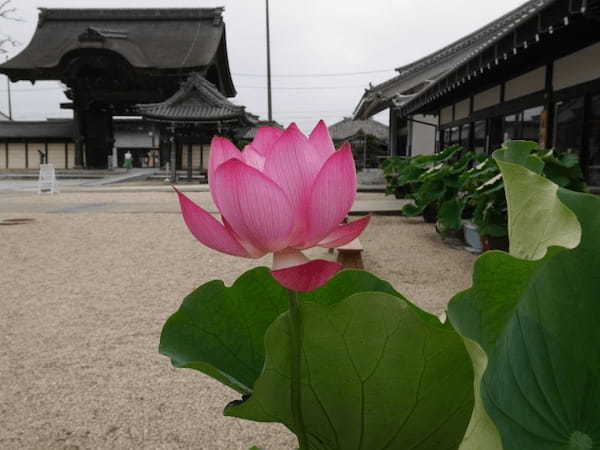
column 9, row 96
column 269, row 100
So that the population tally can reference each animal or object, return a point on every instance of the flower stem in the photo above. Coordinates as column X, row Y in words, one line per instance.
column 296, row 358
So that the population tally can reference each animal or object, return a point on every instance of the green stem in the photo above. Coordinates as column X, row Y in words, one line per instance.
column 296, row 358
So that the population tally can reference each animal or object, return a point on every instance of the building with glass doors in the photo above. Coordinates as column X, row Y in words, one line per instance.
column 532, row 74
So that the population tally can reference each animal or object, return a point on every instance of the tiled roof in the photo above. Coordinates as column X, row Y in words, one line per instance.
column 428, row 70
column 59, row 129
column 146, row 38
column 348, row 128
column 250, row 133
column 197, row 100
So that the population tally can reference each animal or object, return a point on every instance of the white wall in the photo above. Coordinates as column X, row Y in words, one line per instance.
column 462, row 109
column 487, row 98
column 528, row 83
column 2, row 155
column 423, row 136
column 134, row 139
column 16, row 156
column 446, row 115
column 577, row 68
column 56, row 155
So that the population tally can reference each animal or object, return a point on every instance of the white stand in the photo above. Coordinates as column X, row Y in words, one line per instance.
column 47, row 179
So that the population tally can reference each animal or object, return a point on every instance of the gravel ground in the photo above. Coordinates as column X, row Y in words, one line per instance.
column 84, row 296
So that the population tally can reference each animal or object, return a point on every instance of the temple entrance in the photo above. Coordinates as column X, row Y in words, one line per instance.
column 111, row 62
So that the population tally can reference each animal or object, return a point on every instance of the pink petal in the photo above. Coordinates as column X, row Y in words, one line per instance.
column 346, row 233
column 255, row 207
column 252, row 251
column 253, row 158
column 308, row 276
column 321, row 140
column 207, row 229
column 293, row 164
column 332, row 195
column 221, row 150
column 265, row 138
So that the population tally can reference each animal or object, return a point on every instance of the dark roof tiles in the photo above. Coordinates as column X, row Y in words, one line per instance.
column 47, row 129
column 197, row 100
column 347, row 128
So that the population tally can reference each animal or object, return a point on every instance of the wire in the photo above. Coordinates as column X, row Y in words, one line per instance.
column 303, row 88
column 282, row 88
column 303, row 75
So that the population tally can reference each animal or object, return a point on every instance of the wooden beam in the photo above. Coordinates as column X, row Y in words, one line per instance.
column 190, row 160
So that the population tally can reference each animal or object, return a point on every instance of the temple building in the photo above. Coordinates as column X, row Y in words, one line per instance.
column 114, row 61
column 533, row 74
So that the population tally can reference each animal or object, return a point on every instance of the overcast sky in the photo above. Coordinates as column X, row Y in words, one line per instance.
column 307, row 37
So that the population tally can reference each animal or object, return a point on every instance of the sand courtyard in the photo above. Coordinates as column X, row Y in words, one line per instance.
column 85, row 289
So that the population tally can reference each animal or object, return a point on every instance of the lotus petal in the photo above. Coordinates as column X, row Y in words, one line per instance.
column 308, row 276
column 321, row 140
column 253, row 158
column 221, row 150
column 207, row 229
column 331, row 196
column 265, row 138
column 256, row 208
column 346, row 233
column 293, row 164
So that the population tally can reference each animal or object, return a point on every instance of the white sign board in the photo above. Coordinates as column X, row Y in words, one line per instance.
column 47, row 179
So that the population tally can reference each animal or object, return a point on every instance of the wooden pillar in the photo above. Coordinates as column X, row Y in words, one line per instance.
column 46, row 152
column 190, row 161
column 547, row 118
column 173, row 155
column 201, row 157
column 27, row 154
column 393, row 132
column 6, row 154
column 66, row 155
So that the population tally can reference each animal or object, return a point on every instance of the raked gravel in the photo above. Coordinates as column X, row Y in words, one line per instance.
column 84, row 297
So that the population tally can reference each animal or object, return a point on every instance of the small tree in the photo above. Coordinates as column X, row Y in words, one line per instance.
column 7, row 12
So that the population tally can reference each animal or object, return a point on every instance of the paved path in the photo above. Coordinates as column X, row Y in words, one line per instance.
column 132, row 175
column 115, row 201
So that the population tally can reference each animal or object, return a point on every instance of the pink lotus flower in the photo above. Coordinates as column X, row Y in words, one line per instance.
column 282, row 194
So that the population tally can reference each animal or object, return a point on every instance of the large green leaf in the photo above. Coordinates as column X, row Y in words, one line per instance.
column 375, row 375
column 220, row 330
column 533, row 324
column 537, row 219
column 542, row 386
column 480, row 314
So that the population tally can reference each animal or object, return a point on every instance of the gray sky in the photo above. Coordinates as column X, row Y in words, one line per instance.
column 308, row 37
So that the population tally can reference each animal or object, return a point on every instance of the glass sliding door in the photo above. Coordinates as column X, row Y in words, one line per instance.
column 592, row 137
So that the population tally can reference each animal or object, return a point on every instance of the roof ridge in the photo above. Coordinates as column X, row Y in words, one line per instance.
column 471, row 39
column 69, row 14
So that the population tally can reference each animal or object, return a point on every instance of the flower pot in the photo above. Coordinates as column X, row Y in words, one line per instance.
column 430, row 214
column 400, row 192
column 472, row 237
column 494, row 243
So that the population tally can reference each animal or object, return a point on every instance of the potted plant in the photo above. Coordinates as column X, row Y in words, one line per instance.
column 437, row 197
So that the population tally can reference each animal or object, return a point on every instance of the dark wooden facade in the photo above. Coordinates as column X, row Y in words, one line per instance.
column 111, row 61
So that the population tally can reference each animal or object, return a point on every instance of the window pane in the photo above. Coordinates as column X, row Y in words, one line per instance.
column 569, row 125
column 593, row 142
column 512, row 127
column 531, row 124
column 479, row 136
column 465, row 135
column 454, row 135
